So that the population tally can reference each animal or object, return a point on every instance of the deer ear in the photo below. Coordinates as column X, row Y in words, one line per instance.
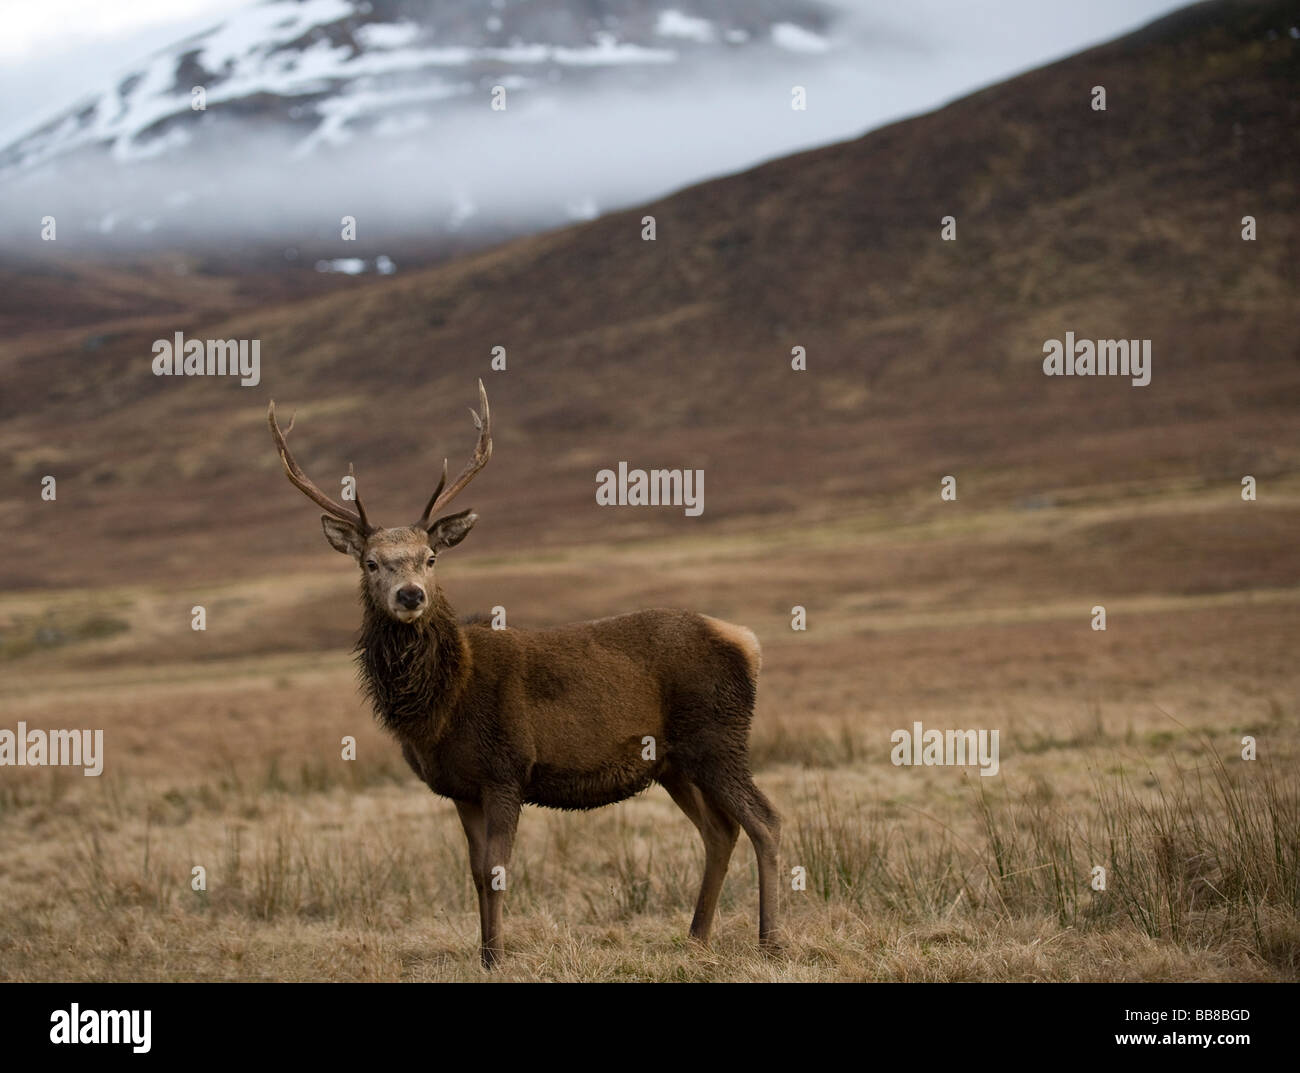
column 449, row 531
column 343, row 536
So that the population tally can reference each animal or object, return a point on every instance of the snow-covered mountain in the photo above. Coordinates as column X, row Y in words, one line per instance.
column 290, row 114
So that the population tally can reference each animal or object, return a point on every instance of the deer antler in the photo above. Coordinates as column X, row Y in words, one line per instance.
column 482, row 452
column 304, row 484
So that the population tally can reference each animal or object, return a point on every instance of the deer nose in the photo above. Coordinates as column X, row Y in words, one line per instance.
column 410, row 596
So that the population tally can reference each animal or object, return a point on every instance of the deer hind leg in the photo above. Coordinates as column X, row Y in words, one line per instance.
column 740, row 798
column 501, row 819
column 719, row 832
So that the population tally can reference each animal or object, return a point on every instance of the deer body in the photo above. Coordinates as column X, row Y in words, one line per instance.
column 564, row 712
column 573, row 717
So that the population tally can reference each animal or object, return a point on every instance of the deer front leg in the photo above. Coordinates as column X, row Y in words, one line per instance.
column 472, row 819
column 501, row 815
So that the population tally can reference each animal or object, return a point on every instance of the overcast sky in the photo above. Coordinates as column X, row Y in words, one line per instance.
column 53, row 51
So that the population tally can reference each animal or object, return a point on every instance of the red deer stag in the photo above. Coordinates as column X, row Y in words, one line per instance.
column 495, row 719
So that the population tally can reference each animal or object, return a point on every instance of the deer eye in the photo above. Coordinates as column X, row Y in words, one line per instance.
column 371, row 565
column 430, row 562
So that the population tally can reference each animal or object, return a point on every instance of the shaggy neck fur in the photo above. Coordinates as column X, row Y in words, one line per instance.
column 414, row 672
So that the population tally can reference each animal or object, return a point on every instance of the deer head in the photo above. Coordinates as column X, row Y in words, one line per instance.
column 397, row 565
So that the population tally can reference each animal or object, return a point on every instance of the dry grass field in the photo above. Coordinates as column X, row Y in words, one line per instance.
column 1118, row 748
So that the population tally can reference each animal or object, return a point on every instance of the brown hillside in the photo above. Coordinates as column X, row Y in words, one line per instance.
column 924, row 356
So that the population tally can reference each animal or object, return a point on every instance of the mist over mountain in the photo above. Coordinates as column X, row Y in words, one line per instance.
column 286, row 116
column 313, row 110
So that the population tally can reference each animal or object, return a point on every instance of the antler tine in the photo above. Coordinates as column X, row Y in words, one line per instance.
column 433, row 499
column 356, row 492
column 304, row 484
column 479, row 459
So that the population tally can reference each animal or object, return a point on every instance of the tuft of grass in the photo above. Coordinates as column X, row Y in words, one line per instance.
column 1216, row 848
column 1208, row 854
